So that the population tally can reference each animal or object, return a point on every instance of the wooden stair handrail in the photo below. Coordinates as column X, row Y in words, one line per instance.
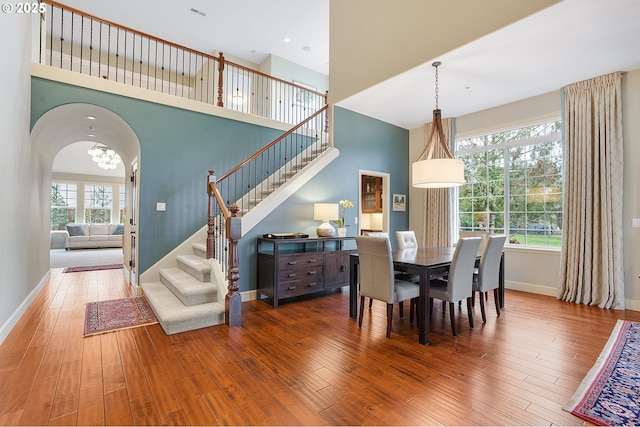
column 271, row 144
column 220, row 59
column 140, row 33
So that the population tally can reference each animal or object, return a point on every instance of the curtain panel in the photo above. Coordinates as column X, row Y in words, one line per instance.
column 436, row 230
column 591, row 268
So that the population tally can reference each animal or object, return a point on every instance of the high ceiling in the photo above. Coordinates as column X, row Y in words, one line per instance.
column 568, row 42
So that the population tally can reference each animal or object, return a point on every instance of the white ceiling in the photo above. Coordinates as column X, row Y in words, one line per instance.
column 74, row 159
column 571, row 41
column 568, row 42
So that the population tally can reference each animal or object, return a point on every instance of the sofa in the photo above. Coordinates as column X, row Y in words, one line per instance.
column 94, row 236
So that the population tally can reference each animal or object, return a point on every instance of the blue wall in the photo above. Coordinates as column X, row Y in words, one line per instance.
column 179, row 146
column 364, row 143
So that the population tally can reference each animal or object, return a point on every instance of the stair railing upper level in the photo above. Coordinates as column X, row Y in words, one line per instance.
column 77, row 41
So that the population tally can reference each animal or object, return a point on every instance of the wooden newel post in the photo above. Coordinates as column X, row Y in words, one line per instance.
column 233, row 300
column 211, row 231
column 220, row 79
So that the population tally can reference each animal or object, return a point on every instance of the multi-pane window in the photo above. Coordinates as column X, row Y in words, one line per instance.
column 98, row 201
column 63, row 204
column 121, row 204
column 514, row 184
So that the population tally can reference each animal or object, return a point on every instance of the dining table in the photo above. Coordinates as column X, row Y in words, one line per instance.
column 428, row 263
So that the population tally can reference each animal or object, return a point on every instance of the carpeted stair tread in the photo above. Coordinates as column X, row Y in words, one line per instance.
column 195, row 266
column 175, row 317
column 200, row 250
column 187, row 288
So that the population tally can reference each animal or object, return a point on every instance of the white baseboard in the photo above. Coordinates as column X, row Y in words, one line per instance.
column 553, row 292
column 249, row 295
column 17, row 314
column 528, row 287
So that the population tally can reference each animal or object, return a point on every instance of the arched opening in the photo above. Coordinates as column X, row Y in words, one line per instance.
column 62, row 138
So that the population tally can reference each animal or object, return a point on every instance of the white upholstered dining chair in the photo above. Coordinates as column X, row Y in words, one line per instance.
column 377, row 279
column 487, row 275
column 406, row 239
column 458, row 284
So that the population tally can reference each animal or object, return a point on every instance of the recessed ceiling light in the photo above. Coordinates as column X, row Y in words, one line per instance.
column 286, row 39
column 199, row 12
column 91, row 117
column 306, row 48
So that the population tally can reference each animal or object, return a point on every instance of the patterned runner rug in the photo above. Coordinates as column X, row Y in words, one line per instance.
column 609, row 394
column 112, row 315
column 92, row 268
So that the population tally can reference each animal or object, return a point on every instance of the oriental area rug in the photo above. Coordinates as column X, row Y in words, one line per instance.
column 116, row 314
column 92, row 268
column 610, row 393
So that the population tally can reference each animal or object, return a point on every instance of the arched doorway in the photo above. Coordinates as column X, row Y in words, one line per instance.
column 73, row 123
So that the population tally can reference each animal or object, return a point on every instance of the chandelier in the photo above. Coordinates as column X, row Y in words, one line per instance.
column 437, row 168
column 104, row 156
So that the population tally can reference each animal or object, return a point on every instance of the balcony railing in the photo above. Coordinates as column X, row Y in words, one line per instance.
column 77, row 41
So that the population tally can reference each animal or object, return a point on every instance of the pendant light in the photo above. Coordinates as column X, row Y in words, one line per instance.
column 437, row 168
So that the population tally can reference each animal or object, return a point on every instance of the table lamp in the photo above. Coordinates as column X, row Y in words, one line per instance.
column 325, row 212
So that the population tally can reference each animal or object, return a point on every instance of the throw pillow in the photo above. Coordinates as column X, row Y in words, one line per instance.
column 119, row 230
column 75, row 230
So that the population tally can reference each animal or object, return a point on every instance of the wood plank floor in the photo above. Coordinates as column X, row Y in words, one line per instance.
column 305, row 363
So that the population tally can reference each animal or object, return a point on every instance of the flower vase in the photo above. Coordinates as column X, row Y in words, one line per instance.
column 342, row 231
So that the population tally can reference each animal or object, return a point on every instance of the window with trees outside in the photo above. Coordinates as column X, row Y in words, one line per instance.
column 98, row 202
column 121, row 204
column 64, row 198
column 513, row 184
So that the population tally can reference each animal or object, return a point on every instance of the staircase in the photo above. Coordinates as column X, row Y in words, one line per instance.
column 189, row 292
column 188, row 296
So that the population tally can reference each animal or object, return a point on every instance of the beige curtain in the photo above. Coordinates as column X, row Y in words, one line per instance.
column 436, row 230
column 591, row 269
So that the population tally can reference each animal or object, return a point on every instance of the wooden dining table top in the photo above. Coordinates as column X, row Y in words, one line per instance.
column 424, row 256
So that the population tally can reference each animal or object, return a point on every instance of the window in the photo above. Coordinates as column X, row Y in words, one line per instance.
column 121, row 204
column 98, row 201
column 514, row 184
column 63, row 204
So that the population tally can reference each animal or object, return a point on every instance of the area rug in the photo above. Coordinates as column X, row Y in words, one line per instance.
column 116, row 314
column 610, row 393
column 92, row 268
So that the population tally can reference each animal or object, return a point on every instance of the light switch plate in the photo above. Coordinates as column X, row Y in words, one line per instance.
column 161, row 207
column 635, row 222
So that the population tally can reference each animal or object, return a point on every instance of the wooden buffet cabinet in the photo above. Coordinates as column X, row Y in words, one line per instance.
column 293, row 267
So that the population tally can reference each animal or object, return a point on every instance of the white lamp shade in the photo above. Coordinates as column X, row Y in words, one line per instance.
column 437, row 173
column 325, row 211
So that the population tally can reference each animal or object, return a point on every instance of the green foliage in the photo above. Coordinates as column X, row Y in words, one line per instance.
column 534, row 182
column 60, row 215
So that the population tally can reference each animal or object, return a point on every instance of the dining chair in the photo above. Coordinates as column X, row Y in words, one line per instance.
column 458, row 284
column 406, row 239
column 484, row 235
column 486, row 277
column 398, row 274
column 377, row 280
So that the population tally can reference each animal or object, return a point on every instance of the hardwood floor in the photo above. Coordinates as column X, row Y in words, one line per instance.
column 305, row 363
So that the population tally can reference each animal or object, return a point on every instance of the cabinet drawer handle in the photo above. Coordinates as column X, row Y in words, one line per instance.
column 292, row 262
column 312, row 260
column 311, row 273
column 291, row 275
column 312, row 284
column 291, row 287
